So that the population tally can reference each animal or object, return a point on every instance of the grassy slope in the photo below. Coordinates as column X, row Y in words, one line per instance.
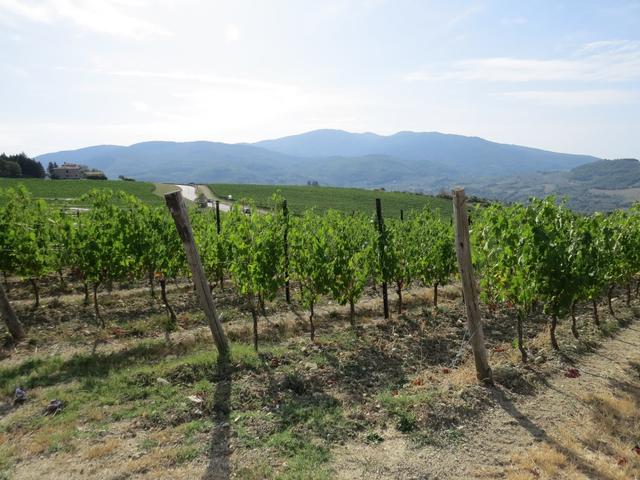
column 68, row 191
column 301, row 198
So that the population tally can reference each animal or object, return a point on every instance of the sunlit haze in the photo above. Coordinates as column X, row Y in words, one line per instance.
column 561, row 76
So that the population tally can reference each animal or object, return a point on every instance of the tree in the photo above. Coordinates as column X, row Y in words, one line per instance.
column 9, row 168
column 50, row 170
column 29, row 168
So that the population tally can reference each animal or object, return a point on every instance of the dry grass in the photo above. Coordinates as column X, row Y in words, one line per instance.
column 102, row 450
column 601, row 447
column 464, row 375
column 543, row 462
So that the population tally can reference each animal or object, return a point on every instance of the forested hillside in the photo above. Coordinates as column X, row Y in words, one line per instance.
column 604, row 185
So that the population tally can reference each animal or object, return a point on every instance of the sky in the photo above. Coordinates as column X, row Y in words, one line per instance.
column 558, row 75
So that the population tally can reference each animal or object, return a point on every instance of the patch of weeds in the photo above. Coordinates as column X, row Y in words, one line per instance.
column 424, row 438
column 185, row 454
column 437, row 438
column 257, row 471
column 149, row 444
column 203, row 388
column 343, row 340
column 192, row 372
column 406, row 421
column 305, row 460
column 609, row 328
column 514, row 379
column 296, row 383
column 373, row 438
column 50, row 441
column 192, row 428
column 6, row 455
column 43, row 372
column 308, row 466
column 402, row 405
column 453, row 435
column 317, row 414
column 252, row 427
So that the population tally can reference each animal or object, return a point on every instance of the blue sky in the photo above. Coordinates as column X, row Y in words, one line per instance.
column 557, row 75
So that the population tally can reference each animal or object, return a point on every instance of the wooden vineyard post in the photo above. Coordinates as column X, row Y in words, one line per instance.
column 218, row 217
column 401, row 215
column 381, row 248
column 469, row 287
column 181, row 218
column 10, row 319
column 285, row 214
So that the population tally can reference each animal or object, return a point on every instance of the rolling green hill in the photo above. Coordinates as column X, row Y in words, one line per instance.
column 608, row 174
column 68, row 192
column 603, row 186
column 301, row 198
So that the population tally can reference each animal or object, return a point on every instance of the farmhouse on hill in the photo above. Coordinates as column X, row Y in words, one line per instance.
column 71, row 171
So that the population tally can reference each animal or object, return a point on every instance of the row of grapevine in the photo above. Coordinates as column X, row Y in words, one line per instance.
column 544, row 255
column 539, row 255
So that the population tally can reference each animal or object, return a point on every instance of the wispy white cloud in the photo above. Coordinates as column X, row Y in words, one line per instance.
column 182, row 76
column 140, row 106
column 513, row 21
column 103, row 16
column 34, row 12
column 606, row 61
column 17, row 71
column 232, row 33
column 462, row 16
column 573, row 98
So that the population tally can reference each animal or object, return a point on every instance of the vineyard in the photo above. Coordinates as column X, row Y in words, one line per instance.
column 346, row 200
column 278, row 279
column 70, row 192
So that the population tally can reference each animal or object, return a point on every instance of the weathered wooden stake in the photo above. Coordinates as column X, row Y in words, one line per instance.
column 285, row 213
column 10, row 319
column 181, row 218
column 381, row 246
column 218, row 217
column 401, row 214
column 469, row 287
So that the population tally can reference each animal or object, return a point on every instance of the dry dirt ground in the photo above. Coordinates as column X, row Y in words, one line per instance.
column 390, row 399
column 568, row 430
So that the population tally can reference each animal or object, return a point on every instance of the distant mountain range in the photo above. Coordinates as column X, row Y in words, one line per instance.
column 407, row 159
column 411, row 161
